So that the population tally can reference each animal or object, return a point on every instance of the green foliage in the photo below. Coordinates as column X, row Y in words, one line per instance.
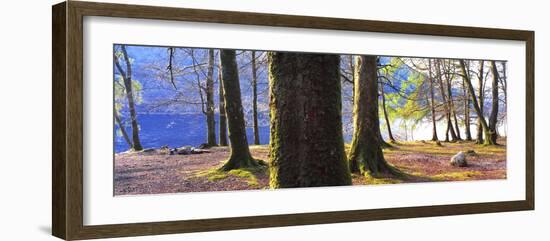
column 120, row 93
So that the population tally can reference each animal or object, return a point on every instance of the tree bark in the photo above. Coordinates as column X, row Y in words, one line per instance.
column 221, row 106
column 481, row 96
column 432, row 102
column 493, row 118
column 467, row 111
column 255, row 99
column 127, row 77
column 453, row 109
column 210, row 117
column 388, row 123
column 306, row 141
column 366, row 154
column 240, row 153
column 488, row 140
column 446, row 106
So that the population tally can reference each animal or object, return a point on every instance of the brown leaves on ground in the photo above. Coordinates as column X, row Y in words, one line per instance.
column 157, row 172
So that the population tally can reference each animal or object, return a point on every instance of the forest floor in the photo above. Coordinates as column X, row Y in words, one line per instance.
column 157, row 172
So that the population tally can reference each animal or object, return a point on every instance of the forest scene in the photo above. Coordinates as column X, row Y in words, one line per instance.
column 200, row 120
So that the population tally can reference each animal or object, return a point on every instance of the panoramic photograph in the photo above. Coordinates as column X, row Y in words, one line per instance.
column 191, row 119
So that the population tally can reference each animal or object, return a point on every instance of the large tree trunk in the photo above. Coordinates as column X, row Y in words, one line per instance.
column 127, row 77
column 481, row 96
column 446, row 105
column 210, row 117
column 255, row 99
column 366, row 151
column 240, row 154
column 432, row 102
column 493, row 118
column 488, row 140
column 122, row 129
column 221, row 106
column 388, row 123
column 307, row 146
column 467, row 111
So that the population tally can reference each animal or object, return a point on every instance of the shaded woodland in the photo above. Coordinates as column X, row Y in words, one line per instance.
column 330, row 120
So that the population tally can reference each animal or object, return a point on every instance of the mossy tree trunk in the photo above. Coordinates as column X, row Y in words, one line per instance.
column 240, row 154
column 307, row 146
column 485, row 126
column 221, row 106
column 210, row 117
column 366, row 151
column 493, row 118
column 127, row 78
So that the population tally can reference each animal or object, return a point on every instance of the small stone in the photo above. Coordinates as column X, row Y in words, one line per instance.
column 459, row 160
column 184, row 150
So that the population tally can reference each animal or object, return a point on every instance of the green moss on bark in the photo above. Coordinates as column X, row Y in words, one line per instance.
column 240, row 154
column 307, row 147
column 366, row 154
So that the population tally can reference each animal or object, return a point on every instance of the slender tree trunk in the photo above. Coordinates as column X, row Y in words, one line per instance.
column 122, row 129
column 210, row 117
column 352, row 69
column 485, row 126
column 388, row 123
column 432, row 102
column 481, row 95
column 127, row 77
column 221, row 106
column 446, row 106
column 255, row 99
column 493, row 118
column 366, row 154
column 306, row 141
column 453, row 110
column 240, row 154
column 467, row 111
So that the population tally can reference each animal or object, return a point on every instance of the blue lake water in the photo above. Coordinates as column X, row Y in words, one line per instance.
column 157, row 130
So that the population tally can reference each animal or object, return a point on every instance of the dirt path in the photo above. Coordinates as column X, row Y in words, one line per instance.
column 157, row 172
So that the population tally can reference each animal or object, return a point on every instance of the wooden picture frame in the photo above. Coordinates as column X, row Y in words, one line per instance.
column 67, row 137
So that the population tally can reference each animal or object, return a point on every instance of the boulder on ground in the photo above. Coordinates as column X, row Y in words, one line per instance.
column 471, row 152
column 459, row 160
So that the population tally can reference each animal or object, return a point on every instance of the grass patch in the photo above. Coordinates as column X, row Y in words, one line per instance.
column 456, row 176
column 371, row 180
column 247, row 174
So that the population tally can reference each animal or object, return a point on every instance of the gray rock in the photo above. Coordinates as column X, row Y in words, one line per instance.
column 459, row 160
column 184, row 150
column 149, row 150
column 471, row 153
